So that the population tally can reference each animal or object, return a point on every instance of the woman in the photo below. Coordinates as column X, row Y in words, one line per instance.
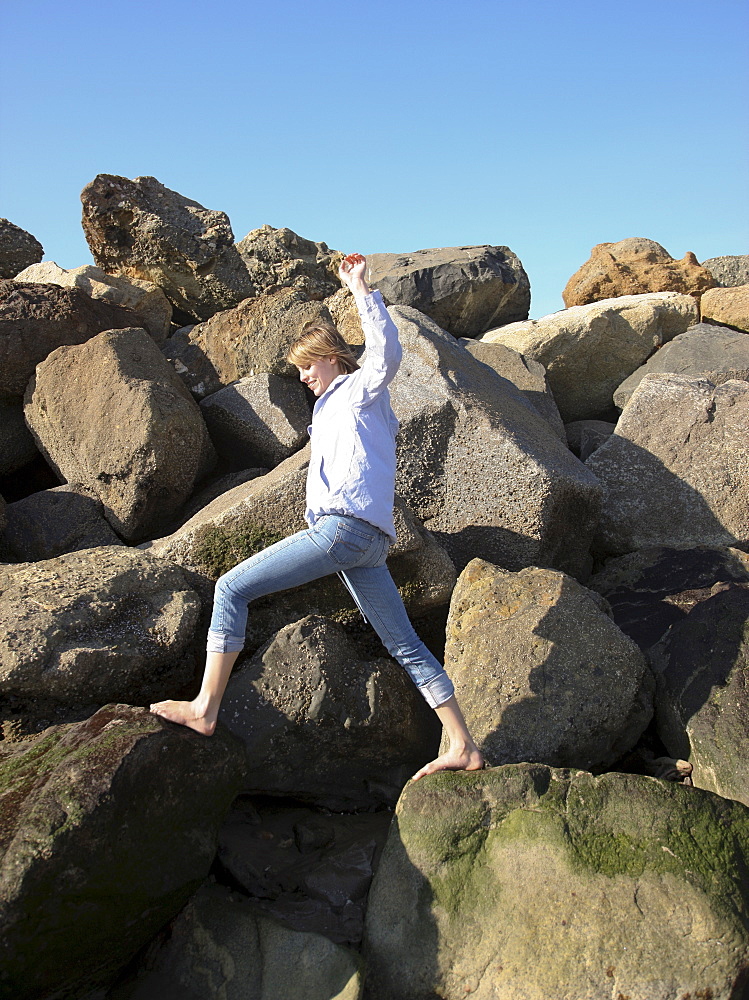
column 350, row 488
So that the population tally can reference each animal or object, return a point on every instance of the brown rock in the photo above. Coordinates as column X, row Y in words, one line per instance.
column 632, row 267
column 729, row 306
column 18, row 249
column 278, row 258
column 112, row 415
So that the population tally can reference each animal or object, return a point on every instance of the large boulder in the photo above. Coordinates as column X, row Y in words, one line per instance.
column 141, row 229
column 702, row 707
column 259, row 958
column 633, row 267
column 589, row 350
column 478, row 464
column 52, row 522
column 36, row 319
column 144, row 299
column 259, row 420
column 541, row 671
column 729, row 306
column 252, row 516
column 676, row 470
column 651, row 589
column 729, row 271
column 534, row 883
column 525, row 374
column 108, row 827
column 248, row 340
column 113, row 415
column 326, row 722
column 465, row 290
column 18, row 249
column 98, row 625
column 17, row 445
column 279, row 258
column 704, row 351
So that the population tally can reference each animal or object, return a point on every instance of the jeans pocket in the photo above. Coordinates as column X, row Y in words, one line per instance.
column 351, row 543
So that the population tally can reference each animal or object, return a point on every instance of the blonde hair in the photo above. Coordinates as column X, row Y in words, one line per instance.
column 320, row 339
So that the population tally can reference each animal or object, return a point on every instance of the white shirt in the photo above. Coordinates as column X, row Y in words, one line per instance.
column 352, row 462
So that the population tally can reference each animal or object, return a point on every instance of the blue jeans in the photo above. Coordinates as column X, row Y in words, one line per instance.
column 357, row 552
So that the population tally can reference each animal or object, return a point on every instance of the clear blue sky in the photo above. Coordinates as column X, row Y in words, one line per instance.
column 390, row 126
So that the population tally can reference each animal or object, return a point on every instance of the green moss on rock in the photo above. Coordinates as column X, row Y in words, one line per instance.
column 218, row 548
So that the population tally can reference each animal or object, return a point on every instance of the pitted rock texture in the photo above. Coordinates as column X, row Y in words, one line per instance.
column 729, row 271
column 279, row 258
column 18, row 249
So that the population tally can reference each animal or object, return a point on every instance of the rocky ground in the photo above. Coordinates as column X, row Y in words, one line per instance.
column 573, row 529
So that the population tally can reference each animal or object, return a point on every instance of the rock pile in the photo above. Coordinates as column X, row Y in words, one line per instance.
column 590, row 600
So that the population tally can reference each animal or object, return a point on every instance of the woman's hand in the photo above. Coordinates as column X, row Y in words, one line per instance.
column 352, row 271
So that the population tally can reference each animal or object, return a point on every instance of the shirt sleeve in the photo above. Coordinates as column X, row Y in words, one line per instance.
column 384, row 351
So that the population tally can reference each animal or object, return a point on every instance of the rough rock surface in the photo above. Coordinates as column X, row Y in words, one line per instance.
column 250, row 517
column 702, row 707
column 704, row 351
column 525, row 374
column 144, row 299
column 324, row 722
column 729, row 271
column 101, row 845
column 104, row 624
column 220, row 946
column 479, row 466
column 141, row 229
column 633, row 267
column 465, row 290
column 36, row 319
column 260, row 420
column 651, row 589
column 541, row 671
column 18, row 249
column 52, row 522
column 584, row 436
column 17, row 446
column 113, row 415
column 729, row 306
column 250, row 339
column 279, row 258
column 588, row 351
column 533, row 883
column 676, row 470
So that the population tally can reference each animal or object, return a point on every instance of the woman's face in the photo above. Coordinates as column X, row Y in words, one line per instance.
column 320, row 374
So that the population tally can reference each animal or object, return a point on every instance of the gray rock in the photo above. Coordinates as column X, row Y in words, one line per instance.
column 36, row 319
column 146, row 300
column 651, row 589
column 101, row 845
column 18, row 249
column 278, row 258
column 704, row 351
column 104, row 624
column 112, row 414
column 584, row 436
column 528, row 882
column 702, row 706
column 17, row 446
column 52, row 522
column 260, row 420
column 476, row 462
column 541, row 671
column 589, row 350
column 729, row 271
column 526, row 375
column 676, row 470
column 325, row 723
column 3, row 515
column 220, row 946
column 140, row 229
column 465, row 290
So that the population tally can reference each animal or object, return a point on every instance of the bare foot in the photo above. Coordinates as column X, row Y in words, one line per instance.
column 186, row 713
column 456, row 759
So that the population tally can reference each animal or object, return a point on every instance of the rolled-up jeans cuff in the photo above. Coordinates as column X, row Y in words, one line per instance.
column 437, row 691
column 219, row 642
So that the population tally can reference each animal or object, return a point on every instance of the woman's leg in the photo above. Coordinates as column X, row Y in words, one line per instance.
column 381, row 604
